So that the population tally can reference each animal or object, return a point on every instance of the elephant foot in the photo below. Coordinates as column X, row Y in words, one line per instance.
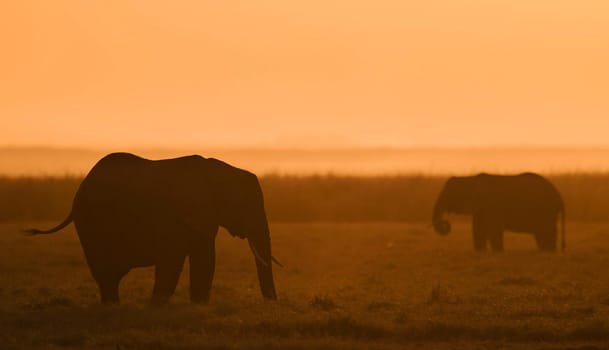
column 110, row 302
column 270, row 295
column 159, row 300
column 198, row 296
column 199, row 300
column 480, row 250
column 200, row 290
column 109, row 292
column 497, row 245
column 479, row 244
column 547, row 249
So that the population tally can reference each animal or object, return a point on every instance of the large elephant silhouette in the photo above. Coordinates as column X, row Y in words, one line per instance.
column 520, row 203
column 132, row 212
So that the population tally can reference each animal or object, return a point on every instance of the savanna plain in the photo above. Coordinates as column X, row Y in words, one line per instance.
column 363, row 269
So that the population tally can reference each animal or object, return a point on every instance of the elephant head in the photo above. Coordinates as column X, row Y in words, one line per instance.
column 240, row 206
column 456, row 197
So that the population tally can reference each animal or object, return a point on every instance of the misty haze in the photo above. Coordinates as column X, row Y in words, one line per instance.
column 38, row 161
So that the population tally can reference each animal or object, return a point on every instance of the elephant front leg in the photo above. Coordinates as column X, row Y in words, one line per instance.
column 546, row 239
column 496, row 239
column 167, row 274
column 479, row 232
column 108, row 278
column 202, row 267
column 108, row 284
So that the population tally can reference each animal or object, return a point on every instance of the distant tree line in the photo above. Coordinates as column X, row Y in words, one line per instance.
column 405, row 198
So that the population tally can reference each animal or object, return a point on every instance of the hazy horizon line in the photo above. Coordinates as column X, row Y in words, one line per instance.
column 329, row 160
column 307, row 148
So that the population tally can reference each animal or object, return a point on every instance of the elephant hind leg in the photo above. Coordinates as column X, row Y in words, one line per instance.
column 108, row 283
column 496, row 239
column 479, row 233
column 166, row 276
column 546, row 240
column 479, row 241
column 109, row 291
column 202, row 267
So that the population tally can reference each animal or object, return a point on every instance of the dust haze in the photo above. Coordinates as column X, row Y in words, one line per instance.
column 41, row 161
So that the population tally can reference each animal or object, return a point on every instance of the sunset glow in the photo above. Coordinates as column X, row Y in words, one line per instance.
column 313, row 74
column 336, row 174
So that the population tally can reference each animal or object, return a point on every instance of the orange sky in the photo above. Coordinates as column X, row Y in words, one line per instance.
column 304, row 74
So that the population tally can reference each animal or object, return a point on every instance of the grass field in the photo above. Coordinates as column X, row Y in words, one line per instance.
column 403, row 198
column 351, row 285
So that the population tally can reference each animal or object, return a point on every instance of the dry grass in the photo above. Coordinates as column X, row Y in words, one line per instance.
column 350, row 285
column 407, row 198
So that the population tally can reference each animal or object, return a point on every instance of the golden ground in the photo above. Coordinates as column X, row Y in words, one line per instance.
column 372, row 285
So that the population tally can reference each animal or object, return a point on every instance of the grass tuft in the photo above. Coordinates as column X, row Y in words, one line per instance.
column 517, row 281
column 442, row 295
column 381, row 305
column 323, row 302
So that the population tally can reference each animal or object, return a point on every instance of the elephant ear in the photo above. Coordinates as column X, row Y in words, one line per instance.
column 232, row 192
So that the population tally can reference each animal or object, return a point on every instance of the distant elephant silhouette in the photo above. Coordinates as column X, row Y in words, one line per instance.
column 520, row 203
column 133, row 212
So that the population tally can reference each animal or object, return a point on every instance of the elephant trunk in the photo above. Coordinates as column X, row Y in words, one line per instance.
column 440, row 225
column 261, row 248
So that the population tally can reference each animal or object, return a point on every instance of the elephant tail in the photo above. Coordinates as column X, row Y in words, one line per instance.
column 34, row 231
column 562, row 224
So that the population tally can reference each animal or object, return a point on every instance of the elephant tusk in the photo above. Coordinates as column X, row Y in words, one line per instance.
column 276, row 261
column 258, row 257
